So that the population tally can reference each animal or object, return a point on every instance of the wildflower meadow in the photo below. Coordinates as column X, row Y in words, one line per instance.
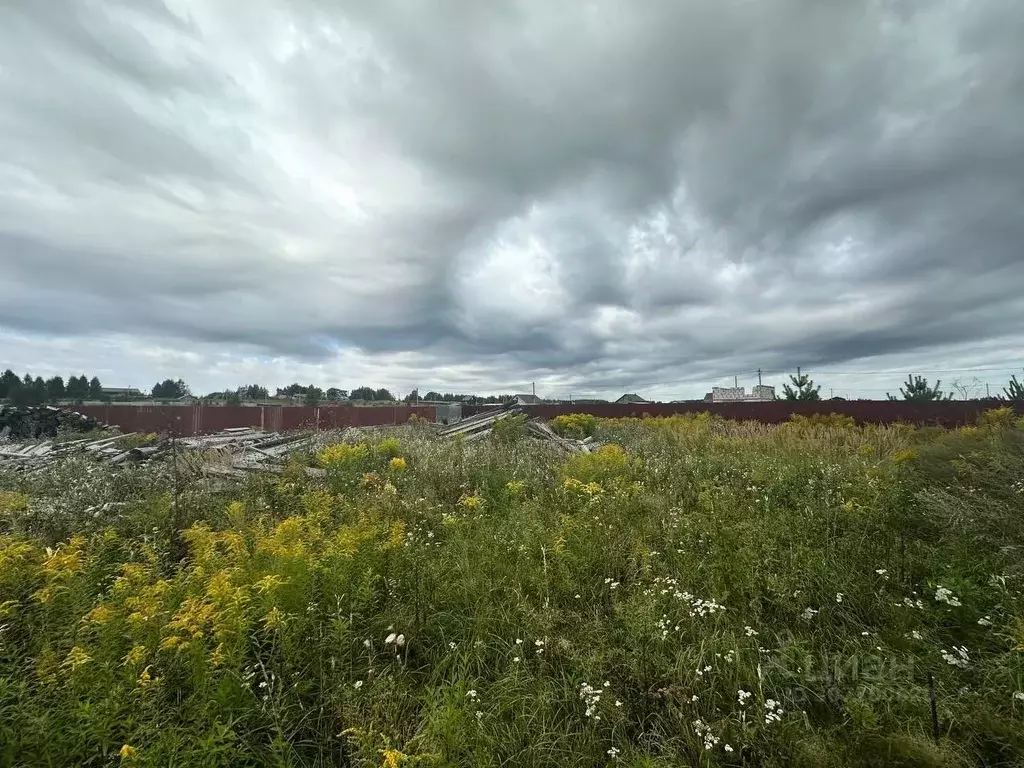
column 695, row 592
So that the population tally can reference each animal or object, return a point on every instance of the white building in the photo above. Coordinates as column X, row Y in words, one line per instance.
column 759, row 394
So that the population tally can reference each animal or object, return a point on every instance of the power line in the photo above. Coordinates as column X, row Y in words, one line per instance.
column 897, row 372
column 760, row 373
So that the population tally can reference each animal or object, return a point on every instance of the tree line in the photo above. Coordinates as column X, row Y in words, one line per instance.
column 26, row 390
column 29, row 390
column 451, row 397
column 313, row 395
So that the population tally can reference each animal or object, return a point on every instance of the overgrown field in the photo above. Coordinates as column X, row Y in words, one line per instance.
column 695, row 593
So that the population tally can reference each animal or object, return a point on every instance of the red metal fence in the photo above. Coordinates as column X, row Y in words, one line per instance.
column 199, row 419
column 944, row 414
column 188, row 420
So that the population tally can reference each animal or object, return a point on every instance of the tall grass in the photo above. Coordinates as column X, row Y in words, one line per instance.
column 698, row 592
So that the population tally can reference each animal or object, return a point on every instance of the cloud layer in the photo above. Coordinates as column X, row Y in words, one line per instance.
column 596, row 196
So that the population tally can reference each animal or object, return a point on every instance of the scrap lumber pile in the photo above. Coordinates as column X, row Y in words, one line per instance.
column 33, row 422
column 481, row 425
column 233, row 451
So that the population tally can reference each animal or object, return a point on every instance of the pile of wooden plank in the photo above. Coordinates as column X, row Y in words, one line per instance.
column 481, row 425
column 241, row 449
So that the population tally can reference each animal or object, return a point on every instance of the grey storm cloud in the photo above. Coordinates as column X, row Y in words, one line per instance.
column 611, row 194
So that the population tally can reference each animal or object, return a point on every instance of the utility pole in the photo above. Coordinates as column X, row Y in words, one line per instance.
column 535, row 389
column 759, row 377
column 735, row 381
column 987, row 393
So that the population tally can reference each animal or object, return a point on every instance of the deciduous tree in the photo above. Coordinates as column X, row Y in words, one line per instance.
column 169, row 389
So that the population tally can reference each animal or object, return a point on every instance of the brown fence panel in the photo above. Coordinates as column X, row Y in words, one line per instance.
column 945, row 414
column 186, row 420
column 216, row 418
column 177, row 419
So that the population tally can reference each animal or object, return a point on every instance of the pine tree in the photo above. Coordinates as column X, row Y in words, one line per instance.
column 1014, row 390
column 802, row 388
column 917, row 390
column 55, row 388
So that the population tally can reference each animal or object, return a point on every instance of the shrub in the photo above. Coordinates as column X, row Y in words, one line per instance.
column 387, row 449
column 574, row 425
column 607, row 465
column 998, row 418
column 344, row 455
column 509, row 429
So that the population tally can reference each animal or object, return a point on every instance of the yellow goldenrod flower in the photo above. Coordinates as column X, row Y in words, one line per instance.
column 341, row 454
column 128, row 752
column 77, row 657
column 275, row 619
column 135, row 656
column 393, row 758
column 146, row 681
column 173, row 641
column 471, row 502
column 396, row 536
column 398, row 464
column 269, row 583
column 217, row 657
column 13, row 502
column 101, row 614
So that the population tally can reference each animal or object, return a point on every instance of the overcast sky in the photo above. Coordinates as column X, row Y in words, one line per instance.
column 598, row 196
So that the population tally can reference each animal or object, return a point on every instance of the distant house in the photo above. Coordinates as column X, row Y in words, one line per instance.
column 527, row 400
column 121, row 393
column 631, row 398
column 759, row 394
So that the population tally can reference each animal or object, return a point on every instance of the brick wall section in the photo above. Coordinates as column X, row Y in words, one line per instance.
column 187, row 420
column 944, row 414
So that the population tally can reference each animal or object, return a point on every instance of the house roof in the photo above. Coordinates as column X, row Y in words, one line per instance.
column 631, row 398
column 528, row 399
